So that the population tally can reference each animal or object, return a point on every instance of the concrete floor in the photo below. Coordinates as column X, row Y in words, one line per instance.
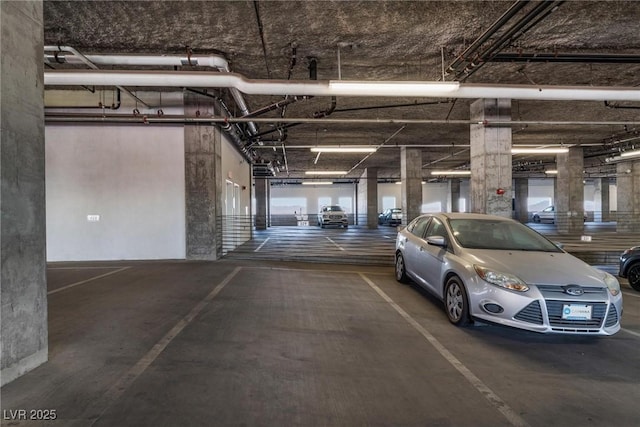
column 264, row 343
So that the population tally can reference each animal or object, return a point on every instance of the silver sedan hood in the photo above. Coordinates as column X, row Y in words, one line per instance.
column 542, row 268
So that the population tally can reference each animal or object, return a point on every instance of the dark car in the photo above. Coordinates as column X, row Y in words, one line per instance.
column 391, row 216
column 630, row 266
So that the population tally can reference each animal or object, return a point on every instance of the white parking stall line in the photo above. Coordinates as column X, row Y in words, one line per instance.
column 82, row 282
column 488, row 394
column 337, row 245
column 262, row 244
column 100, row 405
column 86, row 267
column 631, row 332
column 628, row 294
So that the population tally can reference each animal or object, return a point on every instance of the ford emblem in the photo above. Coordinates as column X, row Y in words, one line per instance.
column 574, row 290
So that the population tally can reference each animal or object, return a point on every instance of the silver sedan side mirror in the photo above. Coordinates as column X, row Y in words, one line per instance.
column 437, row 241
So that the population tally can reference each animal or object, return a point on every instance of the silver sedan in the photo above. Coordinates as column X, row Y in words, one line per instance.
column 497, row 270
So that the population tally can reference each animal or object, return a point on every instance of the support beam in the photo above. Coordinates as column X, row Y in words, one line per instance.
column 628, row 183
column 454, row 186
column 521, row 199
column 261, row 191
column 602, row 212
column 569, row 204
column 204, row 183
column 23, row 284
column 491, row 158
column 411, row 175
column 368, row 198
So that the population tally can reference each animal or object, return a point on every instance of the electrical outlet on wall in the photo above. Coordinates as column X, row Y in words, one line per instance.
column 93, row 218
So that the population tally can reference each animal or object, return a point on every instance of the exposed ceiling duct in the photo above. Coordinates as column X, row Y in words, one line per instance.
column 211, row 61
column 338, row 88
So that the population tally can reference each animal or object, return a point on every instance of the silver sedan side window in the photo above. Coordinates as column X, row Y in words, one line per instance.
column 437, row 229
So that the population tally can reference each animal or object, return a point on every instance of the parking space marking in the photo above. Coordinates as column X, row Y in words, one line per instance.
column 631, row 332
column 319, row 270
column 99, row 407
column 262, row 244
column 85, row 267
column 82, row 282
column 493, row 398
column 627, row 294
column 337, row 245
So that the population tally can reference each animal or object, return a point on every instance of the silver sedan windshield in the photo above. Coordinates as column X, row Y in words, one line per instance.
column 496, row 234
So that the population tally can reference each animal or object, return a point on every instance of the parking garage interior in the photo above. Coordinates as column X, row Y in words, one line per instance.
column 162, row 259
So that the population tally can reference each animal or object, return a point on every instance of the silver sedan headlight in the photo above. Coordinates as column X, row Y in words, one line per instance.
column 612, row 283
column 505, row 280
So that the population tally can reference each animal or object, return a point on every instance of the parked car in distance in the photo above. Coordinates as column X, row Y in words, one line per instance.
column 332, row 215
column 630, row 266
column 499, row 271
column 391, row 216
column 548, row 214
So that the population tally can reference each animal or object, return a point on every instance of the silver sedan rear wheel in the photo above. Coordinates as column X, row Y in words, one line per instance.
column 455, row 302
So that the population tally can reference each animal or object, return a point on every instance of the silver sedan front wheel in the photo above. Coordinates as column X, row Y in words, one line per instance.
column 456, row 303
column 401, row 271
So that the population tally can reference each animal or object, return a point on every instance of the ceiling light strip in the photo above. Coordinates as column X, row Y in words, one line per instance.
column 558, row 150
column 630, row 153
column 318, row 172
column 334, row 149
column 451, row 172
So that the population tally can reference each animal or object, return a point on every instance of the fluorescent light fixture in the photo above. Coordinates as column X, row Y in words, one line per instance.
column 453, row 172
column 325, row 172
column 391, row 88
column 551, row 172
column 630, row 153
column 557, row 150
column 337, row 149
column 317, row 182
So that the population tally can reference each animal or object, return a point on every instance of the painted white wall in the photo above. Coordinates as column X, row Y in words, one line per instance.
column 131, row 176
column 236, row 169
column 541, row 195
column 287, row 198
column 436, row 196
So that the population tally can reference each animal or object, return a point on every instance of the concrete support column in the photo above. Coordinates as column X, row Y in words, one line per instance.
column 23, row 285
column 368, row 198
column 411, row 175
column 261, row 190
column 491, row 158
column 602, row 211
column 454, row 186
column 569, row 198
column 628, row 183
column 522, row 194
column 204, row 195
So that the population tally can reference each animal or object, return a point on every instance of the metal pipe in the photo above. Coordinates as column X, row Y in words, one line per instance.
column 515, row 8
column 324, row 88
column 377, row 148
column 89, row 63
column 519, row 28
column 271, row 107
column 121, row 118
column 212, row 61
column 567, row 57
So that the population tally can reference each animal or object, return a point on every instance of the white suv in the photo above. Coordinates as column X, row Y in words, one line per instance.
column 332, row 215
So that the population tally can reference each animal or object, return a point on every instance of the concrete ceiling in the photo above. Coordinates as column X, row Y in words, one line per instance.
column 387, row 40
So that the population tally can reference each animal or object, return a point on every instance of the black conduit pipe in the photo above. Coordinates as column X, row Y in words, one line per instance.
column 515, row 8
